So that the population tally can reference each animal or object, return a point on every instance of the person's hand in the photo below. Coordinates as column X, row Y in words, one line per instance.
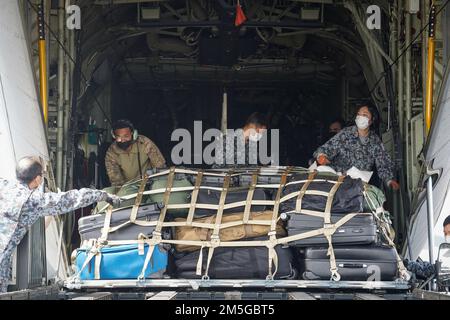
column 323, row 160
column 113, row 200
column 394, row 185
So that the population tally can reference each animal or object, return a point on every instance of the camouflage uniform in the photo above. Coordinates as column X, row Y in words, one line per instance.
column 421, row 269
column 21, row 207
column 346, row 149
column 123, row 166
column 232, row 154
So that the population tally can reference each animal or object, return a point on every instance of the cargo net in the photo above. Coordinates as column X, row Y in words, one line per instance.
column 253, row 224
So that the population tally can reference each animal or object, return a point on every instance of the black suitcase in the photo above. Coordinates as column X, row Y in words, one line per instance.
column 206, row 196
column 348, row 197
column 90, row 227
column 354, row 263
column 236, row 263
column 246, row 179
column 361, row 229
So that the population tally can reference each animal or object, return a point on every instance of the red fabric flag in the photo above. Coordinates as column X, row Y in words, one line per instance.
column 240, row 16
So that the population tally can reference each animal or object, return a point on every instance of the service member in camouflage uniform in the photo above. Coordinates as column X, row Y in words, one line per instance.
column 130, row 155
column 238, row 152
column 446, row 226
column 358, row 146
column 22, row 204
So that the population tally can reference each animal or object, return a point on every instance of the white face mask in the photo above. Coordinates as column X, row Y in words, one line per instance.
column 362, row 122
column 447, row 239
column 255, row 137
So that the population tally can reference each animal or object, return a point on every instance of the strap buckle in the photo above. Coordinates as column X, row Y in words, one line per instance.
column 272, row 233
column 95, row 250
column 102, row 242
column 335, row 276
column 269, row 277
column 328, row 229
column 156, row 235
column 215, row 241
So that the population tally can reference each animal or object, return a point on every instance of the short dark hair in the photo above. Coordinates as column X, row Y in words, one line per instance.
column 122, row 124
column 338, row 120
column 446, row 221
column 28, row 168
column 257, row 119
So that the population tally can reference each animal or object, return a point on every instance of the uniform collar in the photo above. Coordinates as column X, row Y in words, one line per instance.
column 116, row 148
column 354, row 130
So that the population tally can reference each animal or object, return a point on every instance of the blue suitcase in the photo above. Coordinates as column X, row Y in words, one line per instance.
column 123, row 262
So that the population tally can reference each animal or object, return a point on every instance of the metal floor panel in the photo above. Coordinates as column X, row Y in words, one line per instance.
column 239, row 284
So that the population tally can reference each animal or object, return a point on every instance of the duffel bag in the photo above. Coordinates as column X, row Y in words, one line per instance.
column 234, row 195
column 225, row 234
column 236, row 263
column 127, row 189
column 176, row 197
column 348, row 198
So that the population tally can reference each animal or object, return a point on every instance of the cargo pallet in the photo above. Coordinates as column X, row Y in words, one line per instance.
column 181, row 289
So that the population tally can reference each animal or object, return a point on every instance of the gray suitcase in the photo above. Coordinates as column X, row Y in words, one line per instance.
column 90, row 227
column 215, row 181
column 247, row 179
column 361, row 229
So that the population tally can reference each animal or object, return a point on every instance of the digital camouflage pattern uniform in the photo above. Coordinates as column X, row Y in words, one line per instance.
column 232, row 154
column 123, row 166
column 21, row 207
column 346, row 149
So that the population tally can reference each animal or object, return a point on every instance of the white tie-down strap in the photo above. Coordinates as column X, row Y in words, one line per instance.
column 97, row 245
column 137, row 203
column 273, row 233
column 93, row 252
column 330, row 229
column 200, row 262
column 157, row 238
column 215, row 239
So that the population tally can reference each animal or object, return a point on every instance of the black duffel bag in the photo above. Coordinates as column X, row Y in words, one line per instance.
column 207, row 196
column 347, row 199
column 236, row 263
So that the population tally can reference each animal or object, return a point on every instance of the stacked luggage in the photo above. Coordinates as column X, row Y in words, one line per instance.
column 361, row 251
column 275, row 223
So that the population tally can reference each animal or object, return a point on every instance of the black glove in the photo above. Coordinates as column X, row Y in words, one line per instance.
column 113, row 200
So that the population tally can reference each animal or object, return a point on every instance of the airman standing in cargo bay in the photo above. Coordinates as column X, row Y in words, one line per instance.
column 358, row 146
column 236, row 153
column 22, row 204
column 130, row 155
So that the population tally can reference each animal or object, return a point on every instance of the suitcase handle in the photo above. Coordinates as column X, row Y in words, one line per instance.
column 352, row 265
